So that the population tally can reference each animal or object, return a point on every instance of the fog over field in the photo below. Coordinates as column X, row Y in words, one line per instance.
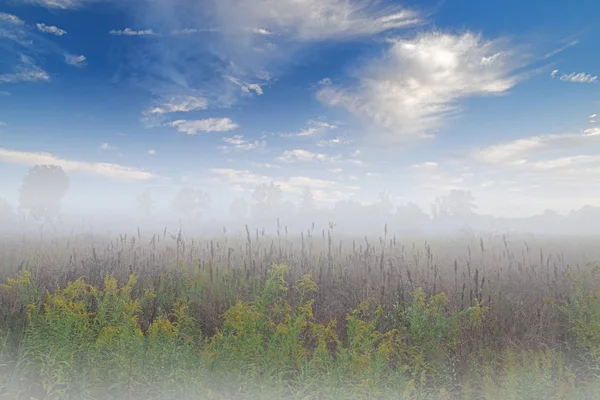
column 299, row 199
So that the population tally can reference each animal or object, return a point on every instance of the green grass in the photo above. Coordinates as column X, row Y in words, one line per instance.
column 90, row 341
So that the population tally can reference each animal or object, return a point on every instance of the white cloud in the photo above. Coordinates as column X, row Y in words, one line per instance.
column 189, row 31
column 75, row 61
column 237, row 143
column 204, row 125
column 315, row 20
column 554, row 72
column 60, row 4
column 131, row 32
column 247, row 88
column 113, row 171
column 152, row 152
column 13, row 19
column 262, row 31
column 408, row 92
column 580, row 77
column 2, row 123
column 243, row 177
column 561, row 49
column 325, row 82
column 107, row 147
column 549, row 167
column 28, row 71
column 53, row 30
column 290, row 156
column 179, row 104
column 517, row 152
column 323, row 190
column 314, row 128
column 332, row 142
column 425, row 165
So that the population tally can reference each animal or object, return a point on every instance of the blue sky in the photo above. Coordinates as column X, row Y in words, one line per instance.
column 349, row 98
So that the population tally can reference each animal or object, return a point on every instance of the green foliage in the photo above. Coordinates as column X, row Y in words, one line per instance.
column 583, row 312
column 86, row 342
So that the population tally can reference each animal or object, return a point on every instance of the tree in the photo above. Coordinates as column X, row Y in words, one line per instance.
column 42, row 190
column 189, row 203
column 459, row 203
column 145, row 202
column 307, row 202
column 267, row 199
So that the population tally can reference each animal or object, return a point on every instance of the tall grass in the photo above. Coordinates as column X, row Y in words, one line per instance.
column 310, row 317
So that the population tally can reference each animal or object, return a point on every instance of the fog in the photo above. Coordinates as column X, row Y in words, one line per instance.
column 266, row 209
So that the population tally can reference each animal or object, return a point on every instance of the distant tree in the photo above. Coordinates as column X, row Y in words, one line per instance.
column 42, row 190
column 410, row 217
column 145, row 202
column 267, row 200
column 239, row 209
column 307, row 201
column 189, row 203
column 384, row 206
column 459, row 203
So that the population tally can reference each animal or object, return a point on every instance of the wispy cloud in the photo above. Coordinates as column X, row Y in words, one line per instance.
column 301, row 155
column 60, row 4
column 75, row 61
column 28, row 71
column 519, row 151
column 580, row 77
column 204, row 125
column 152, row 152
column 247, row 88
column 561, row 49
column 262, row 31
column 315, row 20
column 112, row 171
column 419, row 82
column 53, row 30
column 332, row 142
column 189, row 31
column 2, row 123
column 131, row 32
column 323, row 190
column 107, row 147
column 314, row 128
column 13, row 19
column 237, row 143
column 178, row 104
column 425, row 165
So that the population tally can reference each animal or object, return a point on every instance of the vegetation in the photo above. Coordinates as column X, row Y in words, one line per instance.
column 260, row 317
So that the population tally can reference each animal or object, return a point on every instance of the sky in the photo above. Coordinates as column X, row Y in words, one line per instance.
column 350, row 98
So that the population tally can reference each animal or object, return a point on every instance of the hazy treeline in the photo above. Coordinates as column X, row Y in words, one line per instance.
column 44, row 187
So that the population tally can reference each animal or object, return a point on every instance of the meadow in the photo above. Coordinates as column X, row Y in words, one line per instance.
column 305, row 316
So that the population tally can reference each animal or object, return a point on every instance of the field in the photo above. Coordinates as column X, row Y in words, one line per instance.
column 310, row 316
